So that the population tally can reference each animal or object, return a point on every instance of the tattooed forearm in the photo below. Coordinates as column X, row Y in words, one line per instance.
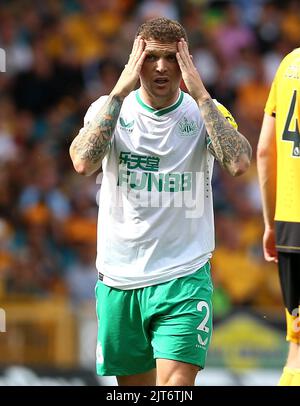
column 92, row 143
column 229, row 147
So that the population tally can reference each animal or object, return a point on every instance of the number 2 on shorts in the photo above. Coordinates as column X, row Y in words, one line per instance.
column 202, row 326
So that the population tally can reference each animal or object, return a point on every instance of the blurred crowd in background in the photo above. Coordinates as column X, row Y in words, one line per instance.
column 61, row 55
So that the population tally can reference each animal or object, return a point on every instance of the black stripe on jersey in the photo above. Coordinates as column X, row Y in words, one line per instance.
column 287, row 236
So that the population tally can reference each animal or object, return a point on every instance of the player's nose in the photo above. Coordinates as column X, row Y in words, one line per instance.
column 161, row 65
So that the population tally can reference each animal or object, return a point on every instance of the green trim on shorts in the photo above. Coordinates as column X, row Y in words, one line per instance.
column 171, row 320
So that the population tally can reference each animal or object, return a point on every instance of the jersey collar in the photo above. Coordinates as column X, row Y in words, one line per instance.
column 162, row 111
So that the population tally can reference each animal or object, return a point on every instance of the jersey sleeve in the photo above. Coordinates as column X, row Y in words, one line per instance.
column 93, row 109
column 270, row 107
column 226, row 113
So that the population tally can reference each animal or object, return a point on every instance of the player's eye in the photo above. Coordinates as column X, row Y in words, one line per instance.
column 151, row 58
column 172, row 58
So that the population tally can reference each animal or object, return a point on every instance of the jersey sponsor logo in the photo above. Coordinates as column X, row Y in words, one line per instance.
column 126, row 126
column 162, row 182
column 187, row 128
column 144, row 162
column 146, row 180
column 148, row 187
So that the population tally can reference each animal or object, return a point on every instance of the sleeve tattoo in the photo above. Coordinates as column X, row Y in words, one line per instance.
column 92, row 143
column 226, row 144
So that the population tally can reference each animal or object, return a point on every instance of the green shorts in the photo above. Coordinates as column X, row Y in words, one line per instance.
column 172, row 320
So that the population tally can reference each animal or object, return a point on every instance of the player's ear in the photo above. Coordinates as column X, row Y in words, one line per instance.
column 191, row 57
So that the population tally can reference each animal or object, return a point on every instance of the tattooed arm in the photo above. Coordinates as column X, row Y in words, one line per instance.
column 92, row 143
column 228, row 146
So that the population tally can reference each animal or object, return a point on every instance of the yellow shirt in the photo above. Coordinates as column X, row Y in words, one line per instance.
column 284, row 104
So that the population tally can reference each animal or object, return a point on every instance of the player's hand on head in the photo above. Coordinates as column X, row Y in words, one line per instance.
column 190, row 75
column 135, row 60
column 131, row 71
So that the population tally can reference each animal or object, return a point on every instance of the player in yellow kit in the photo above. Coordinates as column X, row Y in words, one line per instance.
column 278, row 160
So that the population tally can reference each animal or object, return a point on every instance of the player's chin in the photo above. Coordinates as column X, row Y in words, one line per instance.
column 162, row 90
